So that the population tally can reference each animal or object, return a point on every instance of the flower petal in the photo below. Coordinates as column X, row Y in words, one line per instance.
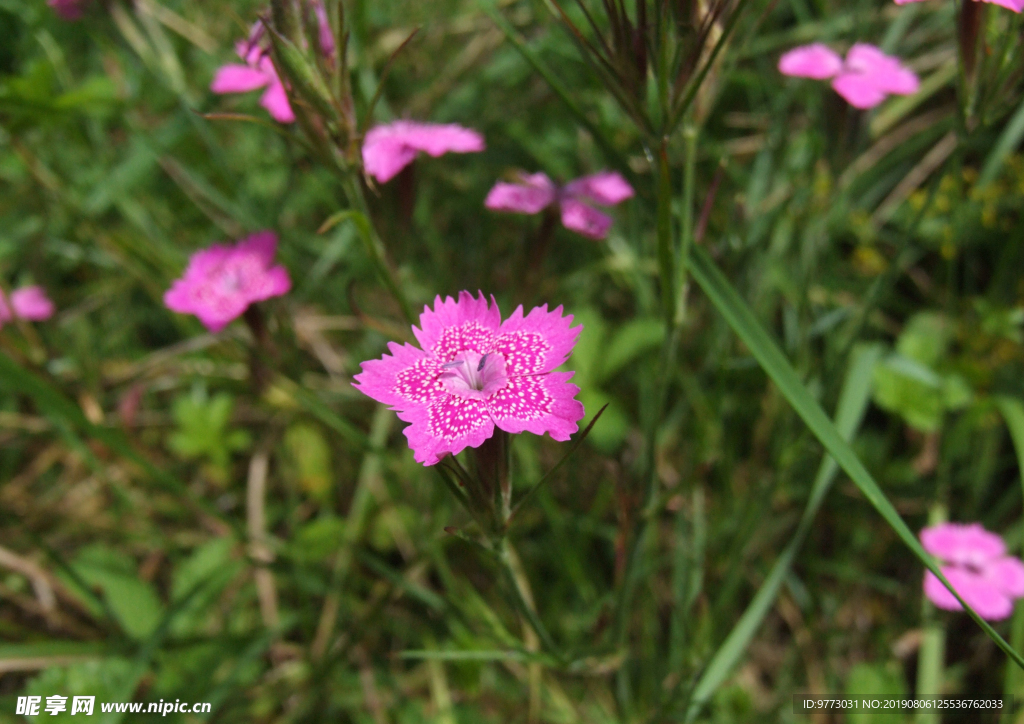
column 962, row 544
column 275, row 100
column 885, row 72
column 238, row 79
column 811, row 61
column 585, row 220
column 980, row 594
column 389, row 148
column 458, row 326
column 607, row 188
column 449, row 425
column 31, row 303
column 406, row 378
column 532, row 195
column 1016, row 6
column 439, row 138
column 536, row 343
column 384, row 157
column 1007, row 574
column 538, row 404
column 858, row 90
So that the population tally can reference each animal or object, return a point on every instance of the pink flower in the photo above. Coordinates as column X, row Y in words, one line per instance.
column 975, row 562
column 864, row 79
column 68, row 9
column 28, row 303
column 258, row 72
column 389, row 148
column 221, row 282
column 535, row 192
column 474, row 372
column 1016, row 6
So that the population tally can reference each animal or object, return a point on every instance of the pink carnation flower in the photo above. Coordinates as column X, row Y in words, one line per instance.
column 975, row 562
column 475, row 372
column 864, row 79
column 258, row 72
column 28, row 303
column 221, row 282
column 389, row 148
column 1016, row 6
column 535, row 192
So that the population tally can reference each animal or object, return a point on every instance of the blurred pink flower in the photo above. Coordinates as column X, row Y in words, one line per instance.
column 975, row 562
column 535, row 192
column 258, row 72
column 222, row 281
column 389, row 148
column 864, row 79
column 475, row 372
column 28, row 303
column 1014, row 5
column 68, row 9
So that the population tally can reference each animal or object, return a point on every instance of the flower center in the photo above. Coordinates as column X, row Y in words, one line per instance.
column 475, row 376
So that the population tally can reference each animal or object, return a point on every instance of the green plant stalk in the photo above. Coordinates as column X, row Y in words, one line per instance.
column 932, row 654
column 686, row 221
column 1013, row 681
column 520, row 601
column 666, row 252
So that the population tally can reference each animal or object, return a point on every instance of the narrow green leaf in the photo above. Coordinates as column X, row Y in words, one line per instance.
column 1012, row 411
column 853, row 402
column 1008, row 141
column 736, row 312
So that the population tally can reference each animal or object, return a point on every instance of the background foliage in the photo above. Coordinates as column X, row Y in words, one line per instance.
column 168, row 533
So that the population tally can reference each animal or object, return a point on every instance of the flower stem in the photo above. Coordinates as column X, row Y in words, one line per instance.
column 666, row 262
column 522, row 599
column 262, row 349
column 686, row 223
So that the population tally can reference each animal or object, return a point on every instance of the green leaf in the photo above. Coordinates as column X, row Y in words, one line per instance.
column 133, row 601
column 736, row 312
column 925, row 338
column 311, row 459
column 1009, row 140
column 1012, row 411
column 874, row 681
column 906, row 388
column 629, row 342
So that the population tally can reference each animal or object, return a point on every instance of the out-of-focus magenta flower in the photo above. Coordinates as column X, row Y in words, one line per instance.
column 475, row 372
column 975, row 562
column 535, row 192
column 29, row 303
column 864, row 79
column 68, row 9
column 222, row 281
column 258, row 72
column 389, row 148
column 1016, row 6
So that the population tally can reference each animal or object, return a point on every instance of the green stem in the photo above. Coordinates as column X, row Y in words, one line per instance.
column 686, row 223
column 666, row 262
column 521, row 601
column 932, row 654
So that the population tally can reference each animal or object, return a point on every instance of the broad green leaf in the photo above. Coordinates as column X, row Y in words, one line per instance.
column 628, row 342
